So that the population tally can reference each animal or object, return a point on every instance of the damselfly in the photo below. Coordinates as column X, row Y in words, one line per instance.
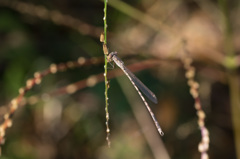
column 138, row 85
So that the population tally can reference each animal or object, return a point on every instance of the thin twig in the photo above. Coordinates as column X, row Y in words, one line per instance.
column 194, row 86
column 233, row 78
column 106, row 71
column 53, row 15
column 38, row 76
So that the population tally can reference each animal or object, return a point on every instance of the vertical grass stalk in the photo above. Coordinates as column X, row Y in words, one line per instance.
column 105, row 73
column 233, row 79
column 203, row 146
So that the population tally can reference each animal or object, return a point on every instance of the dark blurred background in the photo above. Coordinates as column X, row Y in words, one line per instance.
column 32, row 36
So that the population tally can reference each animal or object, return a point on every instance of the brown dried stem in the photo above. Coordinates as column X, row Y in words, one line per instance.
column 194, row 86
column 14, row 104
column 89, row 82
column 53, row 15
column 92, row 80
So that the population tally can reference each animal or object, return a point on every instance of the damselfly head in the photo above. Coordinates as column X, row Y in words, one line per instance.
column 113, row 53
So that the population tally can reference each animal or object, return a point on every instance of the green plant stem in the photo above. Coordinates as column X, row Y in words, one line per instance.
column 105, row 21
column 228, row 40
column 105, row 73
column 141, row 17
column 233, row 78
column 235, row 109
